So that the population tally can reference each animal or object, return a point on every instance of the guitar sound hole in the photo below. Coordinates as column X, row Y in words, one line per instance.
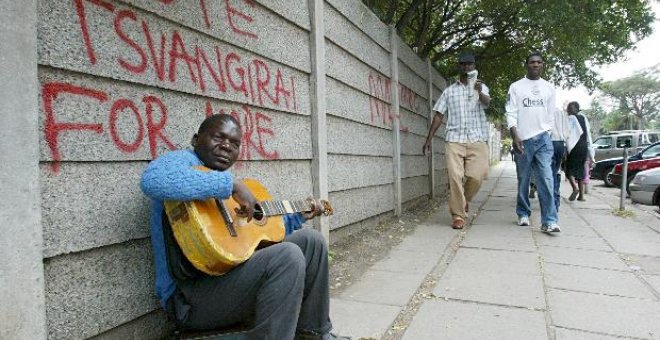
column 258, row 212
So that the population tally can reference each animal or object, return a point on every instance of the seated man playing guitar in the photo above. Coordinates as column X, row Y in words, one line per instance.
column 283, row 288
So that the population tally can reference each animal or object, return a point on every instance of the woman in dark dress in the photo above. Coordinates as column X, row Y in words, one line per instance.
column 578, row 155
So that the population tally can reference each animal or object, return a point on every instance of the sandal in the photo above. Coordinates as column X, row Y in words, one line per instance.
column 573, row 196
column 458, row 223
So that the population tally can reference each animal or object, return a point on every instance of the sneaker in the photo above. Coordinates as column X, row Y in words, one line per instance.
column 553, row 228
column 523, row 220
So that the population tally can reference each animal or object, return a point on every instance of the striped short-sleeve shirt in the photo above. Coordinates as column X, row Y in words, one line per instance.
column 464, row 114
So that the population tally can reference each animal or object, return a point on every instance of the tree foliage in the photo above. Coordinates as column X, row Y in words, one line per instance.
column 636, row 96
column 574, row 35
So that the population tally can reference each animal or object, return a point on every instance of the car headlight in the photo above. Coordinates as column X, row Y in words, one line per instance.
column 639, row 179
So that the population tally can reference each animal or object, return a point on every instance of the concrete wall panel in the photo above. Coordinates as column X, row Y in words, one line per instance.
column 345, row 137
column 345, row 34
column 413, row 81
column 411, row 144
column 347, row 102
column 365, row 19
column 346, row 172
column 152, row 326
column 90, row 292
column 414, row 187
column 298, row 14
column 358, row 204
column 118, row 47
column 412, row 166
column 414, row 123
column 344, row 67
column 285, row 180
column 121, row 121
column 412, row 61
column 439, row 82
column 245, row 24
column 79, row 213
column 86, row 205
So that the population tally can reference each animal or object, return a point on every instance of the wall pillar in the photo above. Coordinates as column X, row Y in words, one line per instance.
column 23, row 307
column 319, row 124
column 431, row 157
column 396, row 122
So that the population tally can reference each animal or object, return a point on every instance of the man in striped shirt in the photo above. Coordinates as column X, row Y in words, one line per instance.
column 466, row 136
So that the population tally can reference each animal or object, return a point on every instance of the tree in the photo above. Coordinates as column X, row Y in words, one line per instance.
column 637, row 96
column 573, row 35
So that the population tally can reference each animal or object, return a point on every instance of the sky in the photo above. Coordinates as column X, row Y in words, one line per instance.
column 644, row 56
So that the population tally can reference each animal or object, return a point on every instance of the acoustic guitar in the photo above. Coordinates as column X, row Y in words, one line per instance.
column 215, row 240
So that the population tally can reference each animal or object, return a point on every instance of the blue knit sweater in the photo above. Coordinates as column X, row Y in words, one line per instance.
column 172, row 177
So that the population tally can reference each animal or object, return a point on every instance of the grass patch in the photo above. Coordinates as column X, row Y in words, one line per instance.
column 331, row 255
column 625, row 213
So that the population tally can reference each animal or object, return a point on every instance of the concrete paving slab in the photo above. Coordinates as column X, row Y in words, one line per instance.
column 381, row 287
column 606, row 222
column 654, row 281
column 405, row 261
column 439, row 320
column 499, row 261
column 580, row 257
column 489, row 240
column 645, row 264
column 522, row 290
column 570, row 229
column 567, row 241
column 503, row 208
column 590, row 205
column 605, row 314
column 361, row 319
column 570, row 334
column 496, row 218
column 636, row 247
column 431, row 239
column 601, row 281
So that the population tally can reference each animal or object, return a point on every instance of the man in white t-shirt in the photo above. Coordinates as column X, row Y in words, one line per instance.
column 530, row 115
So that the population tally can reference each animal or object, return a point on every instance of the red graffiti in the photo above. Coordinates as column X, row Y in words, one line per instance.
column 52, row 128
column 255, row 126
column 232, row 12
column 80, row 10
column 153, row 126
column 380, row 89
column 173, row 57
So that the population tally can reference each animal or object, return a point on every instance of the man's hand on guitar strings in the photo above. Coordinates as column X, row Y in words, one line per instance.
column 245, row 199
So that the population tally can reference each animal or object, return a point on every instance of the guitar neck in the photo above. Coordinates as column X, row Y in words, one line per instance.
column 273, row 208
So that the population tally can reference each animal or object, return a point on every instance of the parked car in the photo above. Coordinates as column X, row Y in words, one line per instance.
column 612, row 144
column 633, row 168
column 645, row 188
column 601, row 169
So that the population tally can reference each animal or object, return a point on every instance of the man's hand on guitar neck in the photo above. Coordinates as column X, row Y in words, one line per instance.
column 244, row 197
column 317, row 209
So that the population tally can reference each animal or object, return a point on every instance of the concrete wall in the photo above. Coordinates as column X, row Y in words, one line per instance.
column 115, row 83
column 22, row 308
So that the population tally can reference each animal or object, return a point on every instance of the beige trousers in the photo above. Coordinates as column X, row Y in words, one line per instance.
column 467, row 166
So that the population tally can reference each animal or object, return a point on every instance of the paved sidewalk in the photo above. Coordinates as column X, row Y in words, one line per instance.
column 597, row 279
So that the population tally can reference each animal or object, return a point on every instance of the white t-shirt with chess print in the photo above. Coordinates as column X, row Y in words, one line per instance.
column 530, row 107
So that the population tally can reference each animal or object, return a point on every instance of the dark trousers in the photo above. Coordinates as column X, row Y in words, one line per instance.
column 284, row 287
column 558, row 155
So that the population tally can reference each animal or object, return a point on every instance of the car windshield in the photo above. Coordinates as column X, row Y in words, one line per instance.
column 651, row 152
column 603, row 142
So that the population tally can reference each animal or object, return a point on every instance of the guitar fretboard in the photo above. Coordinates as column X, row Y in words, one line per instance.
column 272, row 208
